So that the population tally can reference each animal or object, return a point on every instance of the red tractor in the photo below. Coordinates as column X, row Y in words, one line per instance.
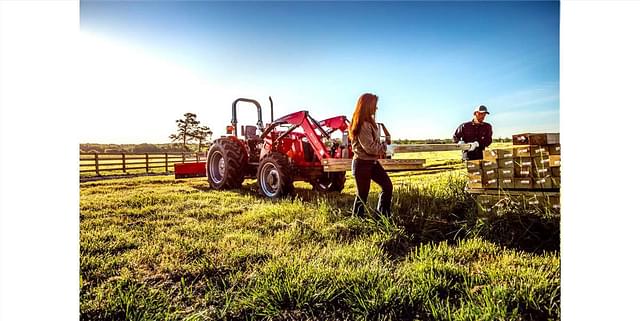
column 290, row 148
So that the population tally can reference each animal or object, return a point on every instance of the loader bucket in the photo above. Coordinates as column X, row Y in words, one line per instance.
column 186, row 170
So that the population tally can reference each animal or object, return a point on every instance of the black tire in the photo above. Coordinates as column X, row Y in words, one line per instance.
column 330, row 182
column 226, row 162
column 274, row 176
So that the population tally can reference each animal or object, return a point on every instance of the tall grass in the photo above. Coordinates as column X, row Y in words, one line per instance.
column 154, row 248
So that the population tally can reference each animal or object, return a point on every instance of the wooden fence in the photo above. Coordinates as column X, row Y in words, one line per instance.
column 134, row 163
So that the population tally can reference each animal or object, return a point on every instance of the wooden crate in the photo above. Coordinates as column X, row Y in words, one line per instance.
column 474, row 182
column 522, row 151
column 497, row 153
column 536, row 139
column 512, row 193
column 539, row 151
column 553, row 203
column 521, row 182
column 543, row 182
column 492, row 201
column 505, row 172
column 506, row 182
column 490, row 183
column 486, row 201
column 540, row 172
column 489, row 164
column 522, row 171
column 555, row 182
column 489, row 154
column 472, row 174
column 541, row 162
column 474, row 165
column 523, row 162
column 488, row 174
column 523, row 167
column 554, row 160
column 554, row 149
column 505, row 163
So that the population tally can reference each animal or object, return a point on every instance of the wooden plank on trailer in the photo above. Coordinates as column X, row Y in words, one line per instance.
column 413, row 148
column 342, row 165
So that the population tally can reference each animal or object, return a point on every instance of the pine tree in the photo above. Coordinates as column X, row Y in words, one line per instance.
column 201, row 134
column 187, row 129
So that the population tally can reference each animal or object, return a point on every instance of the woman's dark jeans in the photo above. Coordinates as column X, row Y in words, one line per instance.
column 364, row 171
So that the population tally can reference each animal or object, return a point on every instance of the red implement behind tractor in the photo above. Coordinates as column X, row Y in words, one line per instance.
column 290, row 148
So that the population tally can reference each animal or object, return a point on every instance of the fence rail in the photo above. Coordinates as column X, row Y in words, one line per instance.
column 133, row 163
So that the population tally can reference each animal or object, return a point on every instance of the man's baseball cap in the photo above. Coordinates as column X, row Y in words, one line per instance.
column 482, row 109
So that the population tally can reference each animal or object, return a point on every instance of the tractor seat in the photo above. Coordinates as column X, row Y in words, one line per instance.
column 250, row 132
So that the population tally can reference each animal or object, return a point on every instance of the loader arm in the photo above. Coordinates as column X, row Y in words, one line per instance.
column 308, row 125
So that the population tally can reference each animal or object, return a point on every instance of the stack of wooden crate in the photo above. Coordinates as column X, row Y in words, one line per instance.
column 531, row 168
column 494, row 201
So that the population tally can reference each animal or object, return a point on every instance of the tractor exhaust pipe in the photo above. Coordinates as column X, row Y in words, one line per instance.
column 271, row 102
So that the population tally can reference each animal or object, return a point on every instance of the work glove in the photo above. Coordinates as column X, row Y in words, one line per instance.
column 474, row 145
column 390, row 150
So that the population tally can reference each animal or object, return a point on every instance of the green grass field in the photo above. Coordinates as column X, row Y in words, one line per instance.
column 155, row 248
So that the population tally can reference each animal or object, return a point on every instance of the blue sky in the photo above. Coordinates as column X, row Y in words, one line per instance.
column 431, row 63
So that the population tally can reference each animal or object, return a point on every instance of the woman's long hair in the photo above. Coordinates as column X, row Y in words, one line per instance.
column 365, row 108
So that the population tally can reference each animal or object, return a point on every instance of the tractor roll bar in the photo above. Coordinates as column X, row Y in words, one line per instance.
column 234, row 117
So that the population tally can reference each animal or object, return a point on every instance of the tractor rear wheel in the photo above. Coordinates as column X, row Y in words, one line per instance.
column 225, row 164
column 330, row 182
column 274, row 176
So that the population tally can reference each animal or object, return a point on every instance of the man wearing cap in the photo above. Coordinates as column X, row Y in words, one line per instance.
column 475, row 132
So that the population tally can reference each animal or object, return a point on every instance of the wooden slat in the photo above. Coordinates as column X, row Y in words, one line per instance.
column 343, row 165
column 413, row 148
column 124, row 162
column 120, row 169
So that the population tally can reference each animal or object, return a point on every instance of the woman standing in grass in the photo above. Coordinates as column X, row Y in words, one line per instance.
column 367, row 149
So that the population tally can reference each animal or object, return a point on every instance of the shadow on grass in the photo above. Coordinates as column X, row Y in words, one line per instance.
column 441, row 212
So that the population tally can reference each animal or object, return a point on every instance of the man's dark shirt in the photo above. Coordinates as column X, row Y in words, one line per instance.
column 472, row 132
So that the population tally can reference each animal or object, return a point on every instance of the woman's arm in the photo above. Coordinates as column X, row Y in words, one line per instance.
column 370, row 140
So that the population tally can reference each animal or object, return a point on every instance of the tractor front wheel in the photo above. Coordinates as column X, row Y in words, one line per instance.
column 274, row 176
column 330, row 182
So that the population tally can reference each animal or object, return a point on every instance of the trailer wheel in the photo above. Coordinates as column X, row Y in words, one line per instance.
column 274, row 176
column 330, row 182
column 225, row 164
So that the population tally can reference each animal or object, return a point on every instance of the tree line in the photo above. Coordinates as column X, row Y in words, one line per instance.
column 189, row 136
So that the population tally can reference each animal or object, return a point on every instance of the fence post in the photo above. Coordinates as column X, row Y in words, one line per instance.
column 182, row 157
column 95, row 154
column 124, row 168
column 146, row 155
column 166, row 162
column 197, row 157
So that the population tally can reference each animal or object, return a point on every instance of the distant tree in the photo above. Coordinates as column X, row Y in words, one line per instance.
column 187, row 128
column 202, row 134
